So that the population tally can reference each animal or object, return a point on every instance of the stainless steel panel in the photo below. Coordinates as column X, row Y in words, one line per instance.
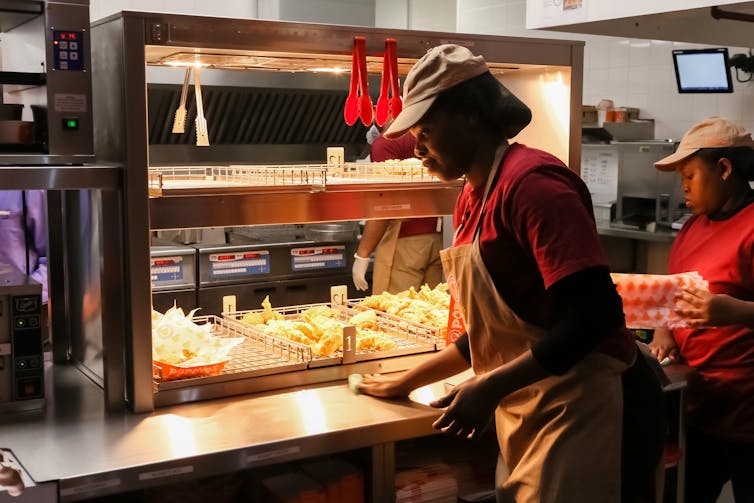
column 121, row 136
column 301, row 207
column 67, row 88
column 60, row 177
column 84, row 252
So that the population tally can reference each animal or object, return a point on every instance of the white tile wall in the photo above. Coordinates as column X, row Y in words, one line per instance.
column 631, row 72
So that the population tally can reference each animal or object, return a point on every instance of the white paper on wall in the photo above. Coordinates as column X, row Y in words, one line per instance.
column 599, row 170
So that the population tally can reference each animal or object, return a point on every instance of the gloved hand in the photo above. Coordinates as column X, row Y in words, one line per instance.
column 359, row 272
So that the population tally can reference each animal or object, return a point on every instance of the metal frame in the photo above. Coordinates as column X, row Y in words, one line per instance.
column 124, row 42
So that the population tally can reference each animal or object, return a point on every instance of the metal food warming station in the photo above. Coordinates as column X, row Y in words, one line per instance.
column 261, row 103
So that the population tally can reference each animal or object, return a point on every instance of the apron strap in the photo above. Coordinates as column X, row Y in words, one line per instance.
column 493, row 171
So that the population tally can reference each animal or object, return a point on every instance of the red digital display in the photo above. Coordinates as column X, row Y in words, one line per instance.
column 250, row 255
column 306, row 252
column 67, row 36
column 164, row 262
column 226, row 257
column 329, row 250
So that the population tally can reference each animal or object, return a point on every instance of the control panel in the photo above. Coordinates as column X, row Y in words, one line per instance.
column 318, row 257
column 26, row 346
column 68, row 50
column 239, row 264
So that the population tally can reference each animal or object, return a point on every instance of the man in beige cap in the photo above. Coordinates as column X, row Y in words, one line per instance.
column 579, row 417
column 715, row 160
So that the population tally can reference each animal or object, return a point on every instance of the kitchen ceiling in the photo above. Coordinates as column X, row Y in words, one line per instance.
column 696, row 26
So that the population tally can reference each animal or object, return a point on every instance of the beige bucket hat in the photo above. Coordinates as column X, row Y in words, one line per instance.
column 441, row 68
column 714, row 132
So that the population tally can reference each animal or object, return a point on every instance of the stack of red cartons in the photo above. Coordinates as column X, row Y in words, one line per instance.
column 292, row 487
column 342, row 481
column 429, row 483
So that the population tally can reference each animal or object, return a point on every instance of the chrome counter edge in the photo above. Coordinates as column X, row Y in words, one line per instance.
column 95, row 453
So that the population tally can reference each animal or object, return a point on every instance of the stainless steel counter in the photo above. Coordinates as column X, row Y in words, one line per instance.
column 661, row 235
column 94, row 453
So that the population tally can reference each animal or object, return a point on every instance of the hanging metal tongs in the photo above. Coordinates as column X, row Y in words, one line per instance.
column 202, row 137
column 179, row 122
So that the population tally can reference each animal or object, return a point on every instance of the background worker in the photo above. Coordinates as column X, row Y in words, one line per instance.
column 23, row 233
column 715, row 160
column 407, row 251
column 579, row 414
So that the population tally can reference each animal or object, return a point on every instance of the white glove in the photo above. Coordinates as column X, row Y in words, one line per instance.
column 359, row 272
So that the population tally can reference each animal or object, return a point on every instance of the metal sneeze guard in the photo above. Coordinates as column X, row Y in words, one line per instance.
column 178, row 180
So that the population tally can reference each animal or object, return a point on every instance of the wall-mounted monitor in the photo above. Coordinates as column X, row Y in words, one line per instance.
column 702, row 70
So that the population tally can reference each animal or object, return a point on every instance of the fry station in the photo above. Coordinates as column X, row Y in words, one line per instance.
column 205, row 196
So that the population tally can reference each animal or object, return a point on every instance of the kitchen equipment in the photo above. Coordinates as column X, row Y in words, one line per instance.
column 365, row 101
column 14, row 133
column 173, row 277
column 351, row 109
column 331, row 232
column 21, row 357
column 396, row 102
column 202, row 137
column 296, row 272
column 279, row 85
column 45, row 57
column 179, row 122
column 382, row 110
column 624, row 172
column 11, row 111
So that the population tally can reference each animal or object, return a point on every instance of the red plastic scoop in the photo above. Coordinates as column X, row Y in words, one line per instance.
column 396, row 103
column 351, row 109
column 383, row 102
column 365, row 101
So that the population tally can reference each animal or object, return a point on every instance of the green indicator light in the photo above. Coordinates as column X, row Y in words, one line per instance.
column 70, row 123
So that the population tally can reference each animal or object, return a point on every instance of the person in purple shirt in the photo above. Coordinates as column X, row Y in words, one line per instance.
column 23, row 233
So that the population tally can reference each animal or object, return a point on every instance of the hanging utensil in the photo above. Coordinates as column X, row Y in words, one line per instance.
column 179, row 122
column 351, row 109
column 366, row 112
column 202, row 137
column 396, row 102
column 383, row 102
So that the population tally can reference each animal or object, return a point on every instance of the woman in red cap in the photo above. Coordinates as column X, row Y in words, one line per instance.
column 578, row 412
column 715, row 160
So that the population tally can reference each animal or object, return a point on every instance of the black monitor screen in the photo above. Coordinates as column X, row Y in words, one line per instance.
column 702, row 71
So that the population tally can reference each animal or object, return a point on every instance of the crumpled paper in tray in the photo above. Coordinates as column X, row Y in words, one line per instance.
column 649, row 299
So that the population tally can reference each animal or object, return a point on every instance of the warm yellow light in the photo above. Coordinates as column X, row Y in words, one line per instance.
column 180, row 433
column 311, row 411
column 328, row 70
column 423, row 395
column 183, row 64
column 557, row 96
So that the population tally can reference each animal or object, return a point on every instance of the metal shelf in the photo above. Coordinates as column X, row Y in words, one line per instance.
column 301, row 205
column 16, row 12
column 59, row 177
column 23, row 78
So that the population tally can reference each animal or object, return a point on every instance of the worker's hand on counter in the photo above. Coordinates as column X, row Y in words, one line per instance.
column 384, row 386
column 663, row 345
column 359, row 272
column 470, row 408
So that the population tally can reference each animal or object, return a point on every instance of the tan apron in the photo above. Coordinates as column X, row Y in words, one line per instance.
column 383, row 257
column 560, row 438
